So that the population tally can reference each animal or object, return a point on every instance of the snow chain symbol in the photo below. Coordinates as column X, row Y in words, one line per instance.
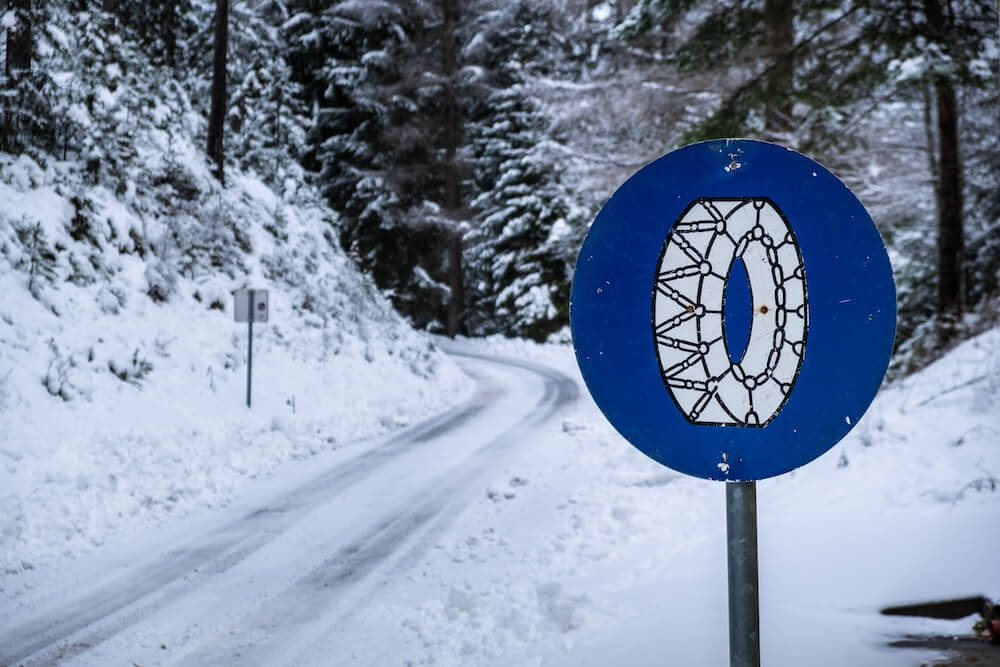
column 706, row 383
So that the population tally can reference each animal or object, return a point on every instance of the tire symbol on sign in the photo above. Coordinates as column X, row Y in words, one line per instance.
column 713, row 242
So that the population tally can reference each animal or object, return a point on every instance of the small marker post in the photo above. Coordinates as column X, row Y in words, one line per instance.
column 250, row 305
column 741, row 548
column 249, row 341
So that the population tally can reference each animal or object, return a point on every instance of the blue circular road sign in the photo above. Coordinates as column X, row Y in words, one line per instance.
column 733, row 310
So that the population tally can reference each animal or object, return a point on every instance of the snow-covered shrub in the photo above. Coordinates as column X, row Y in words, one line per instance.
column 111, row 298
column 84, row 226
column 161, row 280
column 57, row 379
column 133, row 370
column 35, row 256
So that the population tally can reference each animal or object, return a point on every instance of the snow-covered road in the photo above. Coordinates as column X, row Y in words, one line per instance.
column 262, row 582
column 517, row 528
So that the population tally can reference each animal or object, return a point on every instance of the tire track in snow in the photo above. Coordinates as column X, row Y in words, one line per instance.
column 116, row 603
column 126, row 598
column 286, row 625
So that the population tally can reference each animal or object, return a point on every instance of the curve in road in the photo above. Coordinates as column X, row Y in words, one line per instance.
column 405, row 491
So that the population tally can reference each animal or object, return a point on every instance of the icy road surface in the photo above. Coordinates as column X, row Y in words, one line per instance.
column 271, row 580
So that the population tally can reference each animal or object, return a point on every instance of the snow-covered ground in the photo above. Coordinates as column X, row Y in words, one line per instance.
column 119, row 411
column 574, row 550
column 600, row 556
column 73, row 474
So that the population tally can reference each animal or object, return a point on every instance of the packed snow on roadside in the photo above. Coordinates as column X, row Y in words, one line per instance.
column 585, row 552
column 118, row 411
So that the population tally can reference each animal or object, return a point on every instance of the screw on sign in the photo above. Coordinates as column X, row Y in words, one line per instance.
column 733, row 312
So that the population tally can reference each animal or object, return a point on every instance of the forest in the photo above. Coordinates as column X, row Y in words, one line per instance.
column 462, row 147
column 399, row 463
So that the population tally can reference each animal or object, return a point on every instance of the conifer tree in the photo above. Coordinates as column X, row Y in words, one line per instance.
column 403, row 132
column 101, row 100
column 526, row 225
column 378, row 159
column 39, row 259
column 520, row 246
column 266, row 119
column 17, row 66
column 27, row 119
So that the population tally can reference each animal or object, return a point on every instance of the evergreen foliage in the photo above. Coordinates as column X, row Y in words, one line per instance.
column 88, row 257
column 847, row 58
column 37, row 258
column 519, row 246
column 477, row 137
column 28, row 122
column 368, row 153
column 266, row 120
column 390, row 144
column 982, row 173
column 102, row 102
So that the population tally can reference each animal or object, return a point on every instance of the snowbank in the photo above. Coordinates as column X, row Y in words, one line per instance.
column 623, row 561
column 122, row 406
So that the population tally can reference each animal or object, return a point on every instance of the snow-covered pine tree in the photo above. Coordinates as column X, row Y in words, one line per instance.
column 38, row 258
column 27, row 121
column 153, row 25
column 375, row 149
column 266, row 119
column 526, row 224
column 520, row 247
column 305, row 49
column 101, row 99
column 982, row 170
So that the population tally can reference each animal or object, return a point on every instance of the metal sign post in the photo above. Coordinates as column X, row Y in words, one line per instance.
column 249, row 343
column 250, row 305
column 741, row 548
column 733, row 312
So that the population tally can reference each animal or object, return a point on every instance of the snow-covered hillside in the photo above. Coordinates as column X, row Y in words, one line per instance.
column 122, row 372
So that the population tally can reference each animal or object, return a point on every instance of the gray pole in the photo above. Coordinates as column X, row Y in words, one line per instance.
column 741, row 545
column 249, row 342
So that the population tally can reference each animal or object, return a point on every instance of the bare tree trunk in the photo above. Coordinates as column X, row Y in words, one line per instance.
column 933, row 166
column 170, row 31
column 948, row 188
column 456, row 305
column 19, row 45
column 108, row 7
column 17, row 65
column 277, row 117
column 453, row 129
column 217, row 115
column 780, row 21
column 950, row 228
